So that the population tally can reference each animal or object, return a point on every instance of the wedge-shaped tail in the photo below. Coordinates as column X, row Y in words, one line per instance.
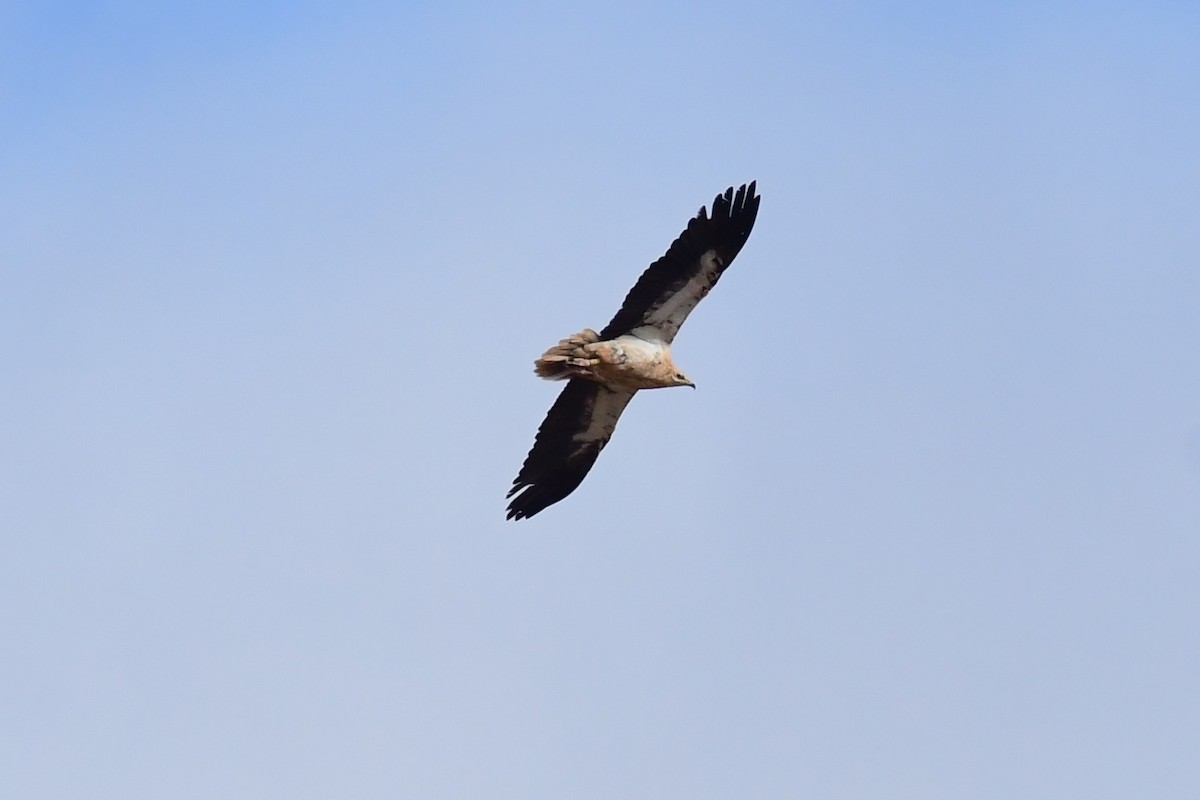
column 569, row 358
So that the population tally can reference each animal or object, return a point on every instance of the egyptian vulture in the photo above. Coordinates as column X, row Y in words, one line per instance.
column 605, row 370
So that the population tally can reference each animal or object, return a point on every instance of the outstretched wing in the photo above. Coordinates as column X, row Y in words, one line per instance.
column 672, row 286
column 579, row 424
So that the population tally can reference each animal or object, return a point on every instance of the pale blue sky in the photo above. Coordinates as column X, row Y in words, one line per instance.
column 271, row 284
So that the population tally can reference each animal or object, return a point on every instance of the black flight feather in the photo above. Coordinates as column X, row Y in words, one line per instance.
column 726, row 232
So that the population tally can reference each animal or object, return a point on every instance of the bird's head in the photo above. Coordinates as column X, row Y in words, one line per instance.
column 679, row 379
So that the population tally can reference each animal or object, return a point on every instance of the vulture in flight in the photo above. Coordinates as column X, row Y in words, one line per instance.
column 605, row 370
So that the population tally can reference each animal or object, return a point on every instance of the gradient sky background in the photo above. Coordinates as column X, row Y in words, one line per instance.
column 272, row 277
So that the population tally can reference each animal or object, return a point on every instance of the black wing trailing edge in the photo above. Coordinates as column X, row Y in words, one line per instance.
column 563, row 452
column 726, row 231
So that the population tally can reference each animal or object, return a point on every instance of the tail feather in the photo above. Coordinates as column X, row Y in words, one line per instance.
column 569, row 358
